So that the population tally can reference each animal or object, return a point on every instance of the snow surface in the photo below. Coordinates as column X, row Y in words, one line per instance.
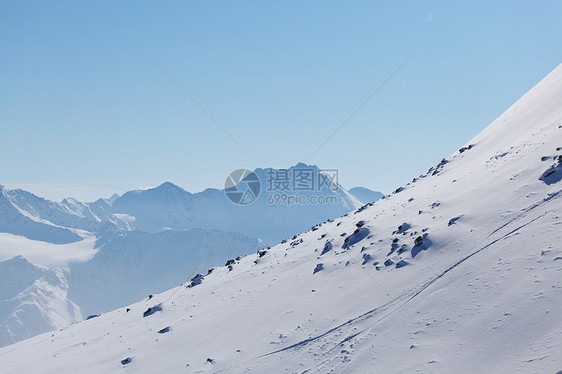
column 134, row 264
column 458, row 271
column 31, row 299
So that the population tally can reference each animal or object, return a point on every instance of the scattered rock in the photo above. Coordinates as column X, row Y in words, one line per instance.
column 453, row 220
column 296, row 242
column 403, row 248
column 401, row 263
column 164, row 330
column 319, row 267
column 152, row 310
column 230, row 262
column 92, row 316
column 403, row 228
column 553, row 174
column 356, row 237
column 439, row 167
column 195, row 281
column 366, row 258
column 463, row 149
column 421, row 243
column 126, row 361
column 327, row 248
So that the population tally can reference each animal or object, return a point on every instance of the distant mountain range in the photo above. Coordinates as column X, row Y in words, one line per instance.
column 115, row 251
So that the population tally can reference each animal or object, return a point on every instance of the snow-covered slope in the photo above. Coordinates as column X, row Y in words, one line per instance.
column 32, row 300
column 97, row 275
column 133, row 264
column 17, row 221
column 459, row 271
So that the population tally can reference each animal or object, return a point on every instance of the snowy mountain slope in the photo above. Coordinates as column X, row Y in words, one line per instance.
column 69, row 214
column 107, row 272
column 459, row 271
column 365, row 195
column 166, row 206
column 32, row 300
column 17, row 221
column 131, row 265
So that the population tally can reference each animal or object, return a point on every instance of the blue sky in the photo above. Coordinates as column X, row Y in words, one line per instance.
column 85, row 112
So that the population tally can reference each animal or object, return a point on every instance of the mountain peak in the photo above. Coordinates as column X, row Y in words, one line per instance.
column 169, row 186
column 299, row 165
column 70, row 200
column 303, row 165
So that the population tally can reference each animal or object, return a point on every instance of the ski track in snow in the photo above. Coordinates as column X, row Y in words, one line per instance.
column 409, row 296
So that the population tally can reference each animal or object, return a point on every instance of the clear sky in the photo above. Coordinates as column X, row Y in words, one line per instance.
column 85, row 111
